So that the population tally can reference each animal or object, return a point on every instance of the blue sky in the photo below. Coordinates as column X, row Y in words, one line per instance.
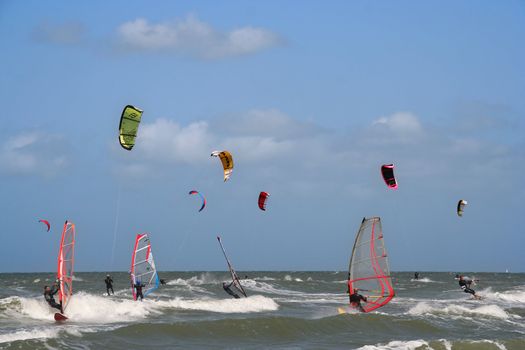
column 310, row 97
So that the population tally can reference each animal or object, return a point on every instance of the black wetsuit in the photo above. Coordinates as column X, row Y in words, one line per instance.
column 227, row 288
column 138, row 291
column 50, row 297
column 355, row 301
column 416, row 275
column 162, row 282
column 465, row 285
column 109, row 285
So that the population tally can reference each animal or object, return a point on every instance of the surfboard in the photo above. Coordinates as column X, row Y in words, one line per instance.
column 59, row 317
column 341, row 311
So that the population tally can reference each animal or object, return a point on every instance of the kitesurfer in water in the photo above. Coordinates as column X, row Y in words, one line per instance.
column 138, row 290
column 162, row 281
column 465, row 283
column 109, row 284
column 416, row 275
column 355, row 300
column 49, row 294
column 227, row 289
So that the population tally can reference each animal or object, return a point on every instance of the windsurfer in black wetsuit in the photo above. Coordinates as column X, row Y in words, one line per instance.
column 138, row 290
column 355, row 300
column 416, row 275
column 109, row 284
column 465, row 283
column 49, row 294
column 227, row 289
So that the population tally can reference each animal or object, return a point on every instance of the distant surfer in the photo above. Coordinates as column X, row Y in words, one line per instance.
column 355, row 300
column 138, row 290
column 49, row 294
column 109, row 284
column 416, row 275
column 465, row 283
column 227, row 289
column 162, row 281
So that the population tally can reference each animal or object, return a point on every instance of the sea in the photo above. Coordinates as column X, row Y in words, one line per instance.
column 284, row 310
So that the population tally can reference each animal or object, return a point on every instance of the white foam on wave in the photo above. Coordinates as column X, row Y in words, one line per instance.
column 424, row 280
column 39, row 333
column 421, row 344
column 88, row 308
column 256, row 303
column 424, row 308
column 398, row 345
column 264, row 278
column 36, row 280
column 507, row 296
column 204, row 278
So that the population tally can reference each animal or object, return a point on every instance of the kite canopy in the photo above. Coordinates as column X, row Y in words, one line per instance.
column 461, row 206
column 369, row 271
column 202, row 197
column 263, row 198
column 387, row 171
column 45, row 222
column 227, row 162
column 129, row 126
column 66, row 260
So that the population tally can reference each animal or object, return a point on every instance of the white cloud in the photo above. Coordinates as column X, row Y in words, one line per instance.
column 193, row 37
column 68, row 33
column 399, row 127
column 33, row 153
column 165, row 140
column 269, row 144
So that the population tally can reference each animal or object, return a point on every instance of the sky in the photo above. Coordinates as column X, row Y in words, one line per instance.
column 310, row 97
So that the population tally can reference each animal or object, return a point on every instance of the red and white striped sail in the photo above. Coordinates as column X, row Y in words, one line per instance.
column 143, row 270
column 369, row 271
column 66, row 261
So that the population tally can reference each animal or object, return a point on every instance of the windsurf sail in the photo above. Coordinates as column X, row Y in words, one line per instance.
column 235, row 278
column 369, row 272
column 66, row 261
column 129, row 126
column 143, row 269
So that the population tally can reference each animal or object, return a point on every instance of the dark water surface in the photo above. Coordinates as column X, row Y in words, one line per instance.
column 285, row 310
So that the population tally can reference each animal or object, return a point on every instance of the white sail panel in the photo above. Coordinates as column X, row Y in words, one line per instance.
column 143, row 268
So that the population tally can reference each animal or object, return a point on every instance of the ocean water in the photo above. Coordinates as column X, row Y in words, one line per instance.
column 284, row 310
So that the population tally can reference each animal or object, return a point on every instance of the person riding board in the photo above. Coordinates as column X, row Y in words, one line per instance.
column 465, row 283
column 109, row 284
column 227, row 289
column 416, row 275
column 49, row 295
column 138, row 290
column 355, row 300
